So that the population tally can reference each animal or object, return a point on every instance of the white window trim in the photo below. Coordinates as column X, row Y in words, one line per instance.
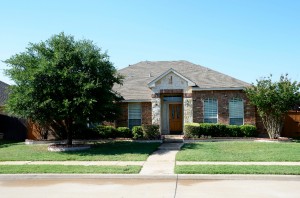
column 128, row 112
column 243, row 117
column 204, row 109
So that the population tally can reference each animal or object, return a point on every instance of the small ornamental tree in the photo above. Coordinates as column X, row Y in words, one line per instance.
column 273, row 100
column 63, row 83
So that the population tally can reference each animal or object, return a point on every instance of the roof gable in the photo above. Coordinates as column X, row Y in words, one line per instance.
column 139, row 76
column 171, row 70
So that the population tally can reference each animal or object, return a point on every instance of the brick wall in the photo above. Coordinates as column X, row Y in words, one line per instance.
column 146, row 113
column 223, row 98
column 122, row 120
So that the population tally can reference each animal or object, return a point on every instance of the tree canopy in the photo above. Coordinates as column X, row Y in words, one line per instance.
column 63, row 82
column 273, row 100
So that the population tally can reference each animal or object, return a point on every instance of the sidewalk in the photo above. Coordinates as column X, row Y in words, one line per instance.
column 81, row 163
column 162, row 161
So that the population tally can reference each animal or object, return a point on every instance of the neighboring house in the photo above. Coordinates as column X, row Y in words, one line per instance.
column 173, row 93
column 3, row 94
column 12, row 127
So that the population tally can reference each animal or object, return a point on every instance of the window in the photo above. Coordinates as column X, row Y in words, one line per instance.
column 210, row 111
column 236, row 111
column 134, row 115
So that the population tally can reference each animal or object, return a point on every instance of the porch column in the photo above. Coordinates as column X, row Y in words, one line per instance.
column 156, row 111
column 187, row 110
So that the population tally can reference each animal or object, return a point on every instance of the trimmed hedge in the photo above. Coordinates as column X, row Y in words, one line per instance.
column 196, row 130
column 124, row 132
column 151, row 132
column 137, row 132
column 106, row 131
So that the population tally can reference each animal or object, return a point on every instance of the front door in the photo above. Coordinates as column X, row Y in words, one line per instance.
column 175, row 118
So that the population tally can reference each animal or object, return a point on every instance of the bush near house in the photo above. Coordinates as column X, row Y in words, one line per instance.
column 106, row 131
column 124, row 132
column 196, row 130
column 137, row 132
column 151, row 132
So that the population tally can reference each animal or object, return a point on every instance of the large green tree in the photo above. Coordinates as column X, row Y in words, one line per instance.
column 63, row 83
column 273, row 100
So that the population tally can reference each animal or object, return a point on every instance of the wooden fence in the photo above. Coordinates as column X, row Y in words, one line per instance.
column 291, row 126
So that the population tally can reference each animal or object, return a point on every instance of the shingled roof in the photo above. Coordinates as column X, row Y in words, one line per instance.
column 137, row 77
column 3, row 92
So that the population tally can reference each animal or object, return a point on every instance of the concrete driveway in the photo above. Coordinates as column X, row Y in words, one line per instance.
column 147, row 187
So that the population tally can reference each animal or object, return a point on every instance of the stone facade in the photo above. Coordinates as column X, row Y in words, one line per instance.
column 156, row 106
column 187, row 110
column 223, row 98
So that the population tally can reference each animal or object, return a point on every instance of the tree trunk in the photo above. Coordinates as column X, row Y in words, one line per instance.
column 273, row 125
column 68, row 124
column 70, row 138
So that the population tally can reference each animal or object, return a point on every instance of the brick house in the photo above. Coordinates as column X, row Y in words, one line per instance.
column 11, row 128
column 172, row 93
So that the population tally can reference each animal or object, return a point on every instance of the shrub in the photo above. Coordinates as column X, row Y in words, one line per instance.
column 234, row 131
column 106, row 131
column 204, row 129
column 124, row 132
column 86, row 134
column 195, row 130
column 151, row 132
column 137, row 132
column 191, row 130
column 248, row 130
column 216, row 130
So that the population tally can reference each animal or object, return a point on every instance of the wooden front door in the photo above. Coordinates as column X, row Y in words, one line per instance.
column 175, row 117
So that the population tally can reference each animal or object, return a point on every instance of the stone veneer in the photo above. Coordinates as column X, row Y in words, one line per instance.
column 187, row 110
column 156, row 111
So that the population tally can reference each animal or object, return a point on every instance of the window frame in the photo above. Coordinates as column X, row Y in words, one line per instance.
column 217, row 111
column 243, row 111
column 128, row 120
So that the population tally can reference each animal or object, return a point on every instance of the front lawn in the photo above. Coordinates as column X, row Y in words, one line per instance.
column 240, row 152
column 111, row 151
column 234, row 169
column 68, row 169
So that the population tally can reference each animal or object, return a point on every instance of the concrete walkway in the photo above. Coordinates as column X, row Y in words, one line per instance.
column 162, row 161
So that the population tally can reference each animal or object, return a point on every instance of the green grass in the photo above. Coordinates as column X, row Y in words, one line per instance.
column 237, row 169
column 112, row 151
column 240, row 152
column 70, row 169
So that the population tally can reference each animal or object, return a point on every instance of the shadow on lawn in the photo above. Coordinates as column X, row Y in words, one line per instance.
column 117, row 148
column 192, row 146
column 7, row 143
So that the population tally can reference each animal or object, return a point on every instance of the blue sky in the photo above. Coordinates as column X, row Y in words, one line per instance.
column 246, row 39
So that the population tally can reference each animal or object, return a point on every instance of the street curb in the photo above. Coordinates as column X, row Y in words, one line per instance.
column 152, row 177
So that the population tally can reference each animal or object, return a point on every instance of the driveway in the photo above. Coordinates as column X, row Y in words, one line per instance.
column 147, row 187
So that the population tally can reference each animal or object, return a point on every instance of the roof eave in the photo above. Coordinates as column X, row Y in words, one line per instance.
column 217, row 88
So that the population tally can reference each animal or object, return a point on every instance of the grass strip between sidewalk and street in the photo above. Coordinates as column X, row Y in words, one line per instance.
column 236, row 151
column 68, row 169
column 101, row 151
column 237, row 169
